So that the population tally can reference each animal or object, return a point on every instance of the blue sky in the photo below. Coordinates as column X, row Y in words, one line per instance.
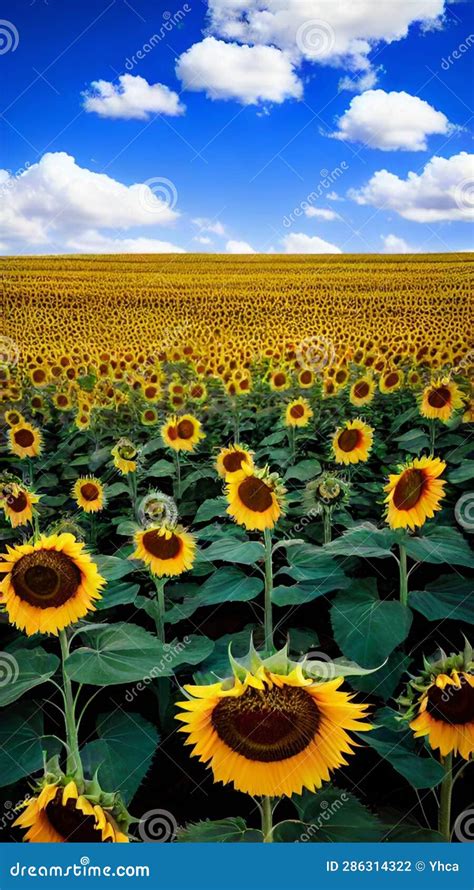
column 231, row 119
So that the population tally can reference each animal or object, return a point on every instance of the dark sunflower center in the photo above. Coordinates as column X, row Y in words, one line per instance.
column 61, row 401
column 453, row 704
column 89, row 491
column 341, row 376
column 172, row 433
column 255, row 495
column 349, row 439
column 150, row 392
column 185, row 429
column 161, row 546
column 233, row 461
column 305, row 376
column 279, row 379
column 70, row 823
column 267, row 725
column 149, row 415
column 24, row 438
column 19, row 503
column 391, row 380
column 439, row 398
column 45, row 578
column 409, row 489
column 297, row 411
column 361, row 390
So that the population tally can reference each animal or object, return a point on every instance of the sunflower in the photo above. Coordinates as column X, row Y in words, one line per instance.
column 59, row 814
column 306, row 378
column 124, row 454
column 62, row 401
column 440, row 399
column 362, row 391
column 414, row 494
column 13, row 418
column 468, row 416
column 255, row 498
column 230, row 461
column 167, row 551
column 271, row 730
column 149, row 416
column 352, row 442
column 446, row 714
column 18, row 504
column 25, row 440
column 48, row 585
column 88, row 494
column 279, row 380
column 391, row 381
column 182, row 433
column 298, row 413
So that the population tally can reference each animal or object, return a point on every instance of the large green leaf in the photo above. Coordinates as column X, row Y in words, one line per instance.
column 364, row 540
column 304, row 470
column 331, row 815
column 306, row 591
column 310, row 563
column 117, row 595
column 463, row 473
column 413, row 441
column 161, row 468
column 228, row 585
column 22, row 670
column 113, row 568
column 450, row 596
column 385, row 680
column 210, row 509
column 126, row 653
column 366, row 628
column 398, row 748
column 122, row 753
column 20, row 742
column 221, row 831
column 439, row 545
column 230, row 550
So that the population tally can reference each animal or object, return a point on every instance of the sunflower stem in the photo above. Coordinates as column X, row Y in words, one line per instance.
column 433, row 436
column 268, row 590
column 403, row 575
column 73, row 763
column 159, row 611
column 133, row 489
column 267, row 820
column 236, row 423
column 327, row 525
column 177, row 488
column 292, row 441
column 444, row 814
column 93, row 531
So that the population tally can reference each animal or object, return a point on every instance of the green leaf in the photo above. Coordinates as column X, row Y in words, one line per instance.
column 118, row 595
column 398, row 748
column 366, row 628
column 306, row 591
column 210, row 509
column 21, row 751
column 229, row 550
column 112, row 568
column 221, row 831
column 274, row 438
column 116, row 488
column 413, row 441
column 218, row 661
column 126, row 528
column 439, row 545
column 161, row 468
column 126, row 653
column 310, row 563
column 304, row 470
column 363, row 540
column 196, row 476
column 463, row 473
column 100, row 457
column 22, row 670
column 334, row 815
column 386, row 679
column 122, row 753
column 228, row 585
column 450, row 596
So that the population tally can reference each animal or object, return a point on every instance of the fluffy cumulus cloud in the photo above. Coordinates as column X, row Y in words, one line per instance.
column 132, row 97
column 208, row 225
column 254, row 48
column 442, row 191
column 321, row 213
column 249, row 74
column 394, row 244
column 94, row 242
column 239, row 247
column 297, row 242
column 391, row 121
column 56, row 199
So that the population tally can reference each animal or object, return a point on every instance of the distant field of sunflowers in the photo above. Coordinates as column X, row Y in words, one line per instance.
column 236, row 512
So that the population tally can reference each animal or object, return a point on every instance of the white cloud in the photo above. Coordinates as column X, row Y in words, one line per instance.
column 239, row 247
column 390, row 121
column 339, row 33
column 321, row 213
column 366, row 81
column 394, row 244
column 92, row 241
column 56, row 199
column 249, row 74
column 202, row 239
column 333, row 196
column 442, row 191
column 132, row 97
column 297, row 242
column 208, row 225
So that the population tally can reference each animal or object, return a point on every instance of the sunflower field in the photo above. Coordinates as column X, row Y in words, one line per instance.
column 236, row 509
